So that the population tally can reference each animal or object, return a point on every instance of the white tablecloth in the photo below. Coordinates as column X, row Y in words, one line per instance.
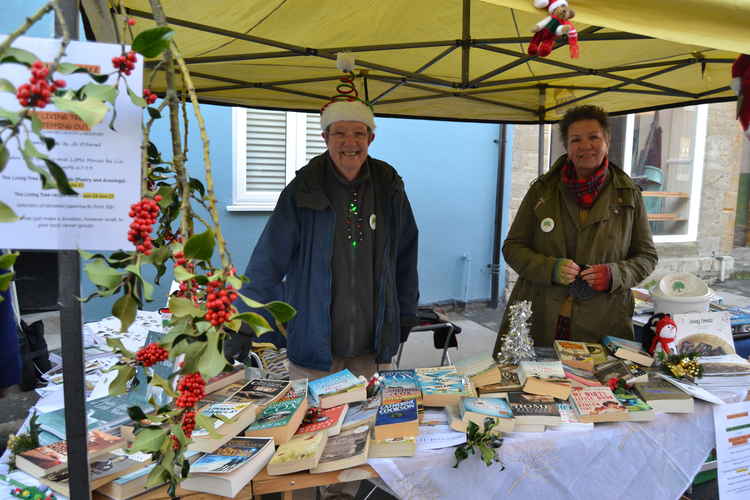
column 649, row 460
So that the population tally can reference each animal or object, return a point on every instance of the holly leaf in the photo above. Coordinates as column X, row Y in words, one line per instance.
column 197, row 185
column 182, row 274
column 5, row 280
column 19, row 56
column 282, row 311
column 120, row 384
column 125, row 309
column 106, row 93
column 180, row 306
column 153, row 113
column 90, row 110
column 8, row 259
column 6, row 86
column 200, row 246
column 250, row 302
column 208, row 423
column 12, row 116
column 148, row 288
column 156, row 477
column 159, row 381
column 149, row 439
column 136, row 99
column 61, row 179
column 119, row 348
column 151, row 43
column 4, row 156
column 136, row 413
column 102, row 275
column 212, row 360
column 258, row 323
column 7, row 214
column 70, row 68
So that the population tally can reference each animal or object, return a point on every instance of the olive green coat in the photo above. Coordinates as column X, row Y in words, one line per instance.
column 616, row 233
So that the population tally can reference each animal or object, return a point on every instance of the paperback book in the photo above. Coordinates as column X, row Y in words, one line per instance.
column 617, row 368
column 393, row 447
column 329, row 420
column 442, row 386
column 478, row 410
column 627, row 349
column 106, row 411
column 663, row 397
column 574, row 354
column 533, row 408
column 545, row 378
column 569, row 420
column 239, row 416
column 597, row 351
column 102, row 470
column 508, row 381
column 597, row 404
column 299, row 453
column 346, row 450
column 361, row 413
column 260, row 392
column 337, row 389
column 397, row 420
column 228, row 469
column 638, row 409
column 705, row 333
column 279, row 420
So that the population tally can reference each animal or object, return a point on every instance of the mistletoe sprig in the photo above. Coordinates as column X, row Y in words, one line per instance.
column 684, row 365
column 486, row 443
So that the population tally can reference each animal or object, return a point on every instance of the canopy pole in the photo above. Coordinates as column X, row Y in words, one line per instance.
column 465, row 38
column 540, row 142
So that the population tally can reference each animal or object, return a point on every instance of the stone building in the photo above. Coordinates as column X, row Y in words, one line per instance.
column 693, row 165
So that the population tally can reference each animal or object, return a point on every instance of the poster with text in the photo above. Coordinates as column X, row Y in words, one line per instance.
column 102, row 165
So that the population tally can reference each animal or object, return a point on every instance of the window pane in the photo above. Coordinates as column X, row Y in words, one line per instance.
column 265, row 150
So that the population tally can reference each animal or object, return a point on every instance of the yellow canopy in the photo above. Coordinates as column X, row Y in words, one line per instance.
column 454, row 59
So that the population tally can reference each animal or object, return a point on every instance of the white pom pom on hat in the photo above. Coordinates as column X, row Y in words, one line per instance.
column 550, row 5
column 350, row 111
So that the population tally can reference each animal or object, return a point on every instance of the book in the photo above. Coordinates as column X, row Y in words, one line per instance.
column 663, row 397
column 102, row 470
column 240, row 415
column 580, row 378
column 323, row 419
column 134, row 483
column 362, row 413
column 454, row 419
column 223, row 379
column 442, row 386
column 574, row 354
column 533, row 409
column 481, row 369
column 597, row 351
column 393, row 447
column 617, row 368
column 569, row 420
column 638, row 409
column 478, row 410
column 53, row 457
column 228, row 469
column 299, row 453
column 692, row 389
column 597, row 404
column 529, row 428
column 627, row 349
column 337, row 389
column 545, row 378
column 260, row 392
column 348, row 449
column 508, row 381
column 400, row 385
column 705, row 333
column 396, row 420
column 101, row 412
column 279, row 420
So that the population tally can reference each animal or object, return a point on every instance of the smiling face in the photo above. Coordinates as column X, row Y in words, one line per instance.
column 347, row 143
column 587, row 146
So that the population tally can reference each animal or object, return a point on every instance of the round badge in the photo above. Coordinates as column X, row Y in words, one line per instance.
column 547, row 224
column 372, row 222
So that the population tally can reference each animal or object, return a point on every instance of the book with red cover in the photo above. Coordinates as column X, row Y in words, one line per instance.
column 323, row 419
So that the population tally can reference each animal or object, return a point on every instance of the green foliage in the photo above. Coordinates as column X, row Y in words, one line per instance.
column 24, row 442
column 200, row 246
column 7, row 214
column 151, row 43
column 90, row 110
column 485, row 442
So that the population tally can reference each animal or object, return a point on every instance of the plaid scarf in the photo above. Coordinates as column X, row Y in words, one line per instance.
column 585, row 190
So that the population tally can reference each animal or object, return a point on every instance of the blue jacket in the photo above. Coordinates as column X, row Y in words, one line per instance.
column 297, row 244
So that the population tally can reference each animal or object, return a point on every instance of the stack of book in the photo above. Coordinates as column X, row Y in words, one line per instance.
column 443, row 386
column 337, row 389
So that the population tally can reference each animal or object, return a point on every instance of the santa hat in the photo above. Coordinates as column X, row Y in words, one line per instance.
column 666, row 320
column 550, row 5
column 346, row 105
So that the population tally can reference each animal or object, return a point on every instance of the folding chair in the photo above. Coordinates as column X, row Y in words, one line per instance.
column 443, row 330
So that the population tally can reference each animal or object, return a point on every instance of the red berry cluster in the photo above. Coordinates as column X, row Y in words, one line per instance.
column 219, row 301
column 151, row 354
column 37, row 92
column 125, row 63
column 144, row 214
column 188, row 423
column 192, row 388
column 149, row 96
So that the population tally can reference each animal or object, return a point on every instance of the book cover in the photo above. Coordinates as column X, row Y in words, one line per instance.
column 613, row 369
column 361, row 413
column 477, row 410
column 524, row 405
column 54, row 457
column 223, row 379
column 627, row 349
column 546, row 370
column 396, row 413
column 664, row 397
column 102, row 470
column 597, row 352
column 475, row 364
column 707, row 333
column 323, row 419
column 229, row 456
column 597, row 404
column 569, row 419
column 508, row 380
column 638, row 409
column 299, row 453
column 574, row 354
column 260, row 392
column 336, row 382
column 404, row 379
column 346, row 450
column 106, row 411
column 441, row 380
column 276, row 414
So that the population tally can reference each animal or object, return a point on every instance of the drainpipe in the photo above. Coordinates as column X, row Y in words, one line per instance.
column 467, row 260
column 722, row 269
column 499, row 203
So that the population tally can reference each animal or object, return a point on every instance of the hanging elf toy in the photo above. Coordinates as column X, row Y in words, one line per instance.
column 741, row 85
column 555, row 25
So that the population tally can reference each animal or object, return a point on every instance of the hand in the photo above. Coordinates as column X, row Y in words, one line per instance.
column 598, row 277
column 565, row 271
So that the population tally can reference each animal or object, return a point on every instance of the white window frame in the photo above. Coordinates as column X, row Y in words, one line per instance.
column 263, row 201
column 699, row 156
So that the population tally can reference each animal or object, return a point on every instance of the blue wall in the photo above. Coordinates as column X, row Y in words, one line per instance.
column 450, row 170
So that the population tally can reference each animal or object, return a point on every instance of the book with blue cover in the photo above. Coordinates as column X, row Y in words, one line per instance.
column 337, row 389
column 397, row 420
column 443, row 386
column 478, row 410
column 103, row 412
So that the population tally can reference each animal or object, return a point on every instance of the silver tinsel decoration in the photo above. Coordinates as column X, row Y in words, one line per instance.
column 517, row 344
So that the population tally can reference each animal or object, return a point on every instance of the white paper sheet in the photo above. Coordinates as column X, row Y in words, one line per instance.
column 732, row 427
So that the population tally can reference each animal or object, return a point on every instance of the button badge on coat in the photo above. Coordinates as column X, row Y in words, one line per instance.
column 372, row 222
column 547, row 224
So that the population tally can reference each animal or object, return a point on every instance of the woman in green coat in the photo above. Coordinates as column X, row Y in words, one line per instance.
column 584, row 219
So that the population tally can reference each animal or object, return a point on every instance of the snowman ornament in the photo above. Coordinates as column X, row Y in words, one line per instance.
column 664, row 340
